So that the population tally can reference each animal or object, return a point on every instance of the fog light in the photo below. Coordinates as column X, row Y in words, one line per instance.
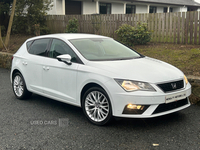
column 131, row 106
column 135, row 109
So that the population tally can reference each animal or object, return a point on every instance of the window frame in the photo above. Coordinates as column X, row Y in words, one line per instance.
column 152, row 8
column 77, row 58
column 106, row 8
column 170, row 9
column 28, row 46
column 48, row 44
column 132, row 6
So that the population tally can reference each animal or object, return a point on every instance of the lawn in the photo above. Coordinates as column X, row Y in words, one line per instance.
column 184, row 57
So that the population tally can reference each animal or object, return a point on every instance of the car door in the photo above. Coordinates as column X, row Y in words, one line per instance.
column 59, row 79
column 34, row 64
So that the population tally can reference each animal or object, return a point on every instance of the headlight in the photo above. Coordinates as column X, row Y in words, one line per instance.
column 129, row 85
column 186, row 80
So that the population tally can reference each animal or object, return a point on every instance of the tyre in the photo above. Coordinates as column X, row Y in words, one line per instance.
column 96, row 106
column 19, row 87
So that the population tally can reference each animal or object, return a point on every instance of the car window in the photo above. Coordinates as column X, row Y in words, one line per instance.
column 28, row 44
column 59, row 47
column 103, row 49
column 39, row 47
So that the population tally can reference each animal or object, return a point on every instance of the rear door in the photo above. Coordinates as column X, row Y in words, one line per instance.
column 34, row 65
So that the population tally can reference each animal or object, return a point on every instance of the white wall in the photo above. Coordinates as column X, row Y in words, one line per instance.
column 53, row 9
column 160, row 9
column 89, row 7
column 183, row 9
column 57, row 8
column 141, row 9
column 176, row 9
column 117, row 8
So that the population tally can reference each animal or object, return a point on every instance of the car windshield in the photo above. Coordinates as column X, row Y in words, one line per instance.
column 103, row 49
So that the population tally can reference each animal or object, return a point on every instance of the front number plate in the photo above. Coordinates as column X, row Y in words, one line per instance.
column 175, row 97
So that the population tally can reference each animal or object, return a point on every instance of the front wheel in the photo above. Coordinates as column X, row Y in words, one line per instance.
column 19, row 87
column 96, row 106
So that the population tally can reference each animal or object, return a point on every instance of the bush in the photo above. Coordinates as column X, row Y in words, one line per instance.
column 72, row 26
column 21, row 25
column 130, row 35
column 44, row 30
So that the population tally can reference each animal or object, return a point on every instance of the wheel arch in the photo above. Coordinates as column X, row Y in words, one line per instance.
column 86, row 87
column 13, row 72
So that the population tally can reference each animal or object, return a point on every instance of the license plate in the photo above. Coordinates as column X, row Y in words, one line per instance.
column 175, row 97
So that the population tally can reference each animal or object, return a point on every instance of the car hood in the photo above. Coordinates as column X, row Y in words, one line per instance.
column 142, row 69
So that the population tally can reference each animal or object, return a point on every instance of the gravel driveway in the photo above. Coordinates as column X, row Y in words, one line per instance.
column 41, row 123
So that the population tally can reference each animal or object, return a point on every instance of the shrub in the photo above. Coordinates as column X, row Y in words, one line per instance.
column 72, row 26
column 130, row 35
column 44, row 30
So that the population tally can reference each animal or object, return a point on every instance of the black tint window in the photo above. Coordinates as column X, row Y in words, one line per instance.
column 39, row 47
column 59, row 47
column 130, row 9
column 105, row 8
column 28, row 44
column 165, row 10
column 153, row 9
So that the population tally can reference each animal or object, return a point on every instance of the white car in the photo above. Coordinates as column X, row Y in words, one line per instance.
column 99, row 74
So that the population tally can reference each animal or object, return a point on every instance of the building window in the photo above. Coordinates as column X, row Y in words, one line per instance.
column 130, row 9
column 153, row 9
column 192, row 9
column 165, row 9
column 105, row 8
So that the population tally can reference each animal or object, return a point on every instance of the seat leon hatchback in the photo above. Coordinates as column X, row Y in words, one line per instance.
column 100, row 75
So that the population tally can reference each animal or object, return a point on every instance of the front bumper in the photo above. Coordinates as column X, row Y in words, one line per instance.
column 154, row 102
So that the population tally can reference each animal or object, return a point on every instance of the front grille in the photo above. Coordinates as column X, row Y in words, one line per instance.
column 170, row 106
column 171, row 86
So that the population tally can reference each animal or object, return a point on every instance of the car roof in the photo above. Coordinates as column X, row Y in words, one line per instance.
column 68, row 36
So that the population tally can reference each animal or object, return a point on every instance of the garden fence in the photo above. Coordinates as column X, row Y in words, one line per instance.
column 178, row 27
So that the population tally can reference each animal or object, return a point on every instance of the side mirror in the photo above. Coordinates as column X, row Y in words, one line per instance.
column 66, row 58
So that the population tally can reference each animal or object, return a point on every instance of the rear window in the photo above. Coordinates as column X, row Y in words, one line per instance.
column 28, row 44
column 39, row 47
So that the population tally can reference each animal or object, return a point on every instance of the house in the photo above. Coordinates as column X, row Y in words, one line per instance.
column 72, row 7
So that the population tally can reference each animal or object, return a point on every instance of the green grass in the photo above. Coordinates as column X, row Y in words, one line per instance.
column 184, row 57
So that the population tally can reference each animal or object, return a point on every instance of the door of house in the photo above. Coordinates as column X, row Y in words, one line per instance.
column 73, row 7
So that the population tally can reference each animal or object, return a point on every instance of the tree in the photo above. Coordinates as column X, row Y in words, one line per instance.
column 5, row 6
column 29, row 13
column 10, row 24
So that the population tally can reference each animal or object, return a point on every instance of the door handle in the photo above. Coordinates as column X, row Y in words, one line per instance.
column 45, row 68
column 24, row 63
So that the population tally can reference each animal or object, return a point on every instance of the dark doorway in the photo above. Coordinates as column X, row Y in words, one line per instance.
column 73, row 7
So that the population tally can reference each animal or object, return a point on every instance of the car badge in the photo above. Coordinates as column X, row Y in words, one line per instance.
column 173, row 85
